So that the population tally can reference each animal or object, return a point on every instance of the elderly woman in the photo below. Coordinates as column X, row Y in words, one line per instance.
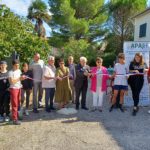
column 49, row 83
column 63, row 90
column 81, row 82
column 98, row 83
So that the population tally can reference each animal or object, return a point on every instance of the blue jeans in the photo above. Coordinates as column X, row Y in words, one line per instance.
column 49, row 96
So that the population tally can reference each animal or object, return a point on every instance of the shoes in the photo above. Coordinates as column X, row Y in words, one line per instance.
column 85, row 108
column 35, row 110
column 52, row 108
column 1, row 119
column 7, row 119
column 149, row 111
column 16, row 122
column 121, row 108
column 48, row 110
column 77, row 107
column 100, row 110
column 93, row 110
column 40, row 105
column 111, row 108
column 134, row 112
column 26, row 112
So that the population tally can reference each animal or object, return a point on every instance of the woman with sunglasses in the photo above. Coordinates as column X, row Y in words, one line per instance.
column 63, row 90
column 136, row 81
column 99, row 76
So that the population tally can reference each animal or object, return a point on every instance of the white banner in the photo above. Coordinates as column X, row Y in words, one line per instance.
column 130, row 49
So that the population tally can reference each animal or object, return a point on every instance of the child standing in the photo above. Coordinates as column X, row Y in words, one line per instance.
column 15, row 90
column 26, row 87
column 4, row 92
column 120, row 81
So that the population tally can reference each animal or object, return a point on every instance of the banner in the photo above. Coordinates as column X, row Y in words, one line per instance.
column 130, row 49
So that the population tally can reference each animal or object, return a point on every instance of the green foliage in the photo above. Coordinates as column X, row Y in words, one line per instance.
column 16, row 34
column 78, row 19
column 78, row 48
column 109, row 59
column 120, row 21
column 38, row 9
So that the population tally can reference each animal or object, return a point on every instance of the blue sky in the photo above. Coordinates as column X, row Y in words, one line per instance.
column 21, row 7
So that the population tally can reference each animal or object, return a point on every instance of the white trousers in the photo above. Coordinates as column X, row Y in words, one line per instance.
column 98, row 98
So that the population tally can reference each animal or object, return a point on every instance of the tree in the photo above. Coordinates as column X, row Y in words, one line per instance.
column 120, row 20
column 16, row 34
column 38, row 10
column 77, row 19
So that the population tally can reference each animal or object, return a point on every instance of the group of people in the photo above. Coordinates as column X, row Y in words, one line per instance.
column 67, row 83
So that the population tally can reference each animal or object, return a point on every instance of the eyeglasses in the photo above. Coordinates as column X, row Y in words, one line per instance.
column 61, row 63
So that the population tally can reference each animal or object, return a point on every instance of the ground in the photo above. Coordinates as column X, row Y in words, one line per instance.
column 83, row 131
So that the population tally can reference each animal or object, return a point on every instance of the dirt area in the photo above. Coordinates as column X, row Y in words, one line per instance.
column 83, row 131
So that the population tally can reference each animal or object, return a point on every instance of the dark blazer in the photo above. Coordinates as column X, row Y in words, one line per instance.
column 81, row 79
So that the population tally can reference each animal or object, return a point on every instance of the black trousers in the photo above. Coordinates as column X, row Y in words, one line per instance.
column 4, row 103
column 136, row 89
column 82, row 90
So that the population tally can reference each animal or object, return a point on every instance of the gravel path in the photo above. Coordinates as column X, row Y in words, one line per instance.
column 82, row 131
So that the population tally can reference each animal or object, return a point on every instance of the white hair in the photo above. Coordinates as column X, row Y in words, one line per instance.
column 83, row 59
column 51, row 57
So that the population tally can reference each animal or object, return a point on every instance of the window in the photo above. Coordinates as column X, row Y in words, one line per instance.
column 142, row 32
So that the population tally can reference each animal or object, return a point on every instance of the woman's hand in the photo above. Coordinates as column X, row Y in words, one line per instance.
column 23, row 77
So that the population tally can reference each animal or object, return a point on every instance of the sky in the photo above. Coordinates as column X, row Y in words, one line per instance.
column 20, row 7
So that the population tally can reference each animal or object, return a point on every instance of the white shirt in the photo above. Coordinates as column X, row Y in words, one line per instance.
column 49, row 71
column 122, row 70
column 15, row 74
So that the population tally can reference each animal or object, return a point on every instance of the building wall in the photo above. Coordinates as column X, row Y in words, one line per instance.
column 139, row 20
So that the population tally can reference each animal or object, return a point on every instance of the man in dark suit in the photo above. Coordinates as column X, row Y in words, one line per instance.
column 81, row 82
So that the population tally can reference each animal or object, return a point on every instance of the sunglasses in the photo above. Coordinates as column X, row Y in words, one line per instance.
column 99, row 62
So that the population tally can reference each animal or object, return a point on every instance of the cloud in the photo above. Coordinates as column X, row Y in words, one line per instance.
column 20, row 7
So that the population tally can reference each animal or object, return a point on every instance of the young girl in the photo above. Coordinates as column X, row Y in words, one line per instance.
column 136, row 81
column 26, row 87
column 120, row 81
column 15, row 90
column 98, row 84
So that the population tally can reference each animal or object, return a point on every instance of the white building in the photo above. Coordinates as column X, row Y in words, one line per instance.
column 142, row 26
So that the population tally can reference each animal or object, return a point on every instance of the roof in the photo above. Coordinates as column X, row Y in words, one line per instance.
column 142, row 13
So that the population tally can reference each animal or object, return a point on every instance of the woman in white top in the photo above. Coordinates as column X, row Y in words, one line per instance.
column 120, row 82
column 49, row 83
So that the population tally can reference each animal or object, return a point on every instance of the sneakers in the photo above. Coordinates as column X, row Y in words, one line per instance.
column 1, row 119
column 7, row 119
column 16, row 122
column 135, row 110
